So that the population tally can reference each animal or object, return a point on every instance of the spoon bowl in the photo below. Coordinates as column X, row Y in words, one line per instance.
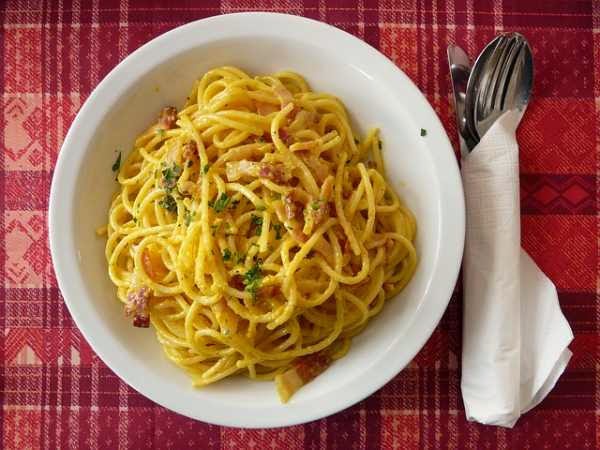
column 474, row 84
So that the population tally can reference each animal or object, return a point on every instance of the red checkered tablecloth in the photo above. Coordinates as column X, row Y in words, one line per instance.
column 56, row 393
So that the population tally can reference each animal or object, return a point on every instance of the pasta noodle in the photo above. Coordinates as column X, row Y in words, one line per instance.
column 255, row 231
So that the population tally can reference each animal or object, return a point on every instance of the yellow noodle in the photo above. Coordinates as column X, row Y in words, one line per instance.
column 290, row 257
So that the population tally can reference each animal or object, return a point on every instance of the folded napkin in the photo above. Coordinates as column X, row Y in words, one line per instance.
column 515, row 336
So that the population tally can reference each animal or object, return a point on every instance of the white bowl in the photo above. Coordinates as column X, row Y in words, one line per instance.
column 423, row 170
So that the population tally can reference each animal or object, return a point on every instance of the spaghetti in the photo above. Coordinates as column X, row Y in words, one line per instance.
column 255, row 231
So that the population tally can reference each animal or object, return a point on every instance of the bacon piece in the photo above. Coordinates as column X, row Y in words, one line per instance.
column 284, row 135
column 274, row 172
column 235, row 170
column 190, row 151
column 153, row 265
column 303, row 370
column 141, row 321
column 294, row 113
column 332, row 211
column 264, row 109
column 237, row 282
column 137, row 306
column 320, row 211
column 283, row 94
column 307, row 117
column 168, row 117
column 310, row 366
column 292, row 208
column 295, row 201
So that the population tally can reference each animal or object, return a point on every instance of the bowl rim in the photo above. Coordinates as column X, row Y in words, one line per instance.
column 62, row 195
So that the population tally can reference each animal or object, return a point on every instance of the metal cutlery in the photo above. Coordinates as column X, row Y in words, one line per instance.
column 500, row 80
column 477, row 78
column 506, row 82
column 460, row 68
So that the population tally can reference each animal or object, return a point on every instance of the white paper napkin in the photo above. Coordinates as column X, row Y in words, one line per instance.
column 515, row 336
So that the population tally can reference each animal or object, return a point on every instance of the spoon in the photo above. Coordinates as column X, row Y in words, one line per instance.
column 473, row 85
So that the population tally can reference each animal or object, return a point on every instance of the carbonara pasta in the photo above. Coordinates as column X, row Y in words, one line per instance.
column 256, row 231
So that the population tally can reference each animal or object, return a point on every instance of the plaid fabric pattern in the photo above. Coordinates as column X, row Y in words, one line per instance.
column 56, row 393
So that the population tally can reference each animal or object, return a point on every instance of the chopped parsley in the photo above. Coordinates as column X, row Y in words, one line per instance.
column 277, row 228
column 168, row 203
column 221, row 203
column 316, row 205
column 257, row 221
column 117, row 164
column 226, row 254
column 170, row 175
column 423, row 132
column 205, row 168
column 253, row 279
column 160, row 133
